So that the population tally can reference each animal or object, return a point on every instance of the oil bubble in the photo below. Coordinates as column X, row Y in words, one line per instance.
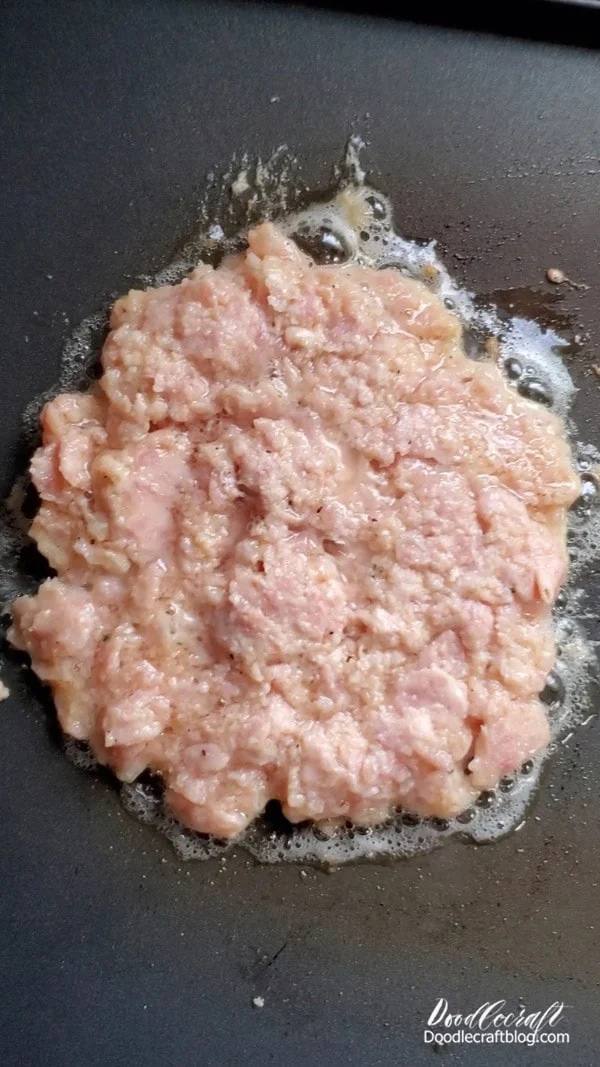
column 588, row 494
column 377, row 206
column 561, row 601
column 553, row 693
column 439, row 824
column 513, row 368
column 323, row 245
column 534, row 389
column 506, row 784
column 466, row 816
column 409, row 819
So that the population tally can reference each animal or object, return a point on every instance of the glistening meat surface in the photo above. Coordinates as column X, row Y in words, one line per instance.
column 305, row 549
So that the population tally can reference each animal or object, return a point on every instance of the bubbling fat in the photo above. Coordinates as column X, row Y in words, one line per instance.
column 356, row 225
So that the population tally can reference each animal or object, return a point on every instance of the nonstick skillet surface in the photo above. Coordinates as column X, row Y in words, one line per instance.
column 113, row 950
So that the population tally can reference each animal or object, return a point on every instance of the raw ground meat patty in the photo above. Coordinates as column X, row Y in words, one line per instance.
column 305, row 549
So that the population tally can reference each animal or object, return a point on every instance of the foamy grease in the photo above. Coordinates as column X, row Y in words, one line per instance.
column 356, row 225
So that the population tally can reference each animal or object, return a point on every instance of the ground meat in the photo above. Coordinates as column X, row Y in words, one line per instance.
column 305, row 549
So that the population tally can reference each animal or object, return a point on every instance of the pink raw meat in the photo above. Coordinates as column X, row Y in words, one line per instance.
column 305, row 549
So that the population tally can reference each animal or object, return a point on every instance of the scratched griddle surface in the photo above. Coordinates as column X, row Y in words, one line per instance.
column 113, row 951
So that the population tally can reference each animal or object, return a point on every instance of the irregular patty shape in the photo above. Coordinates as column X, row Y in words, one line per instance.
column 305, row 549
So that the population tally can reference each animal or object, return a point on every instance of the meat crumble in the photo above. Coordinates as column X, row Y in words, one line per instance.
column 305, row 549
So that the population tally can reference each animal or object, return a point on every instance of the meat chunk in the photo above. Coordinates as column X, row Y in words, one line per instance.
column 305, row 549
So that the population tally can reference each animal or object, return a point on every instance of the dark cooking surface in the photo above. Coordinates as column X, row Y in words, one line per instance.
column 113, row 950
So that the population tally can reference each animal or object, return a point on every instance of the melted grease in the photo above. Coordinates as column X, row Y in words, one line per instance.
column 356, row 225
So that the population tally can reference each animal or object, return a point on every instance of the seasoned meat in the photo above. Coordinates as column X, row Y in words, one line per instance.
column 305, row 549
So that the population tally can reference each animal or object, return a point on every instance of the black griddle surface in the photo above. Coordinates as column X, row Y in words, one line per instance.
column 113, row 951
